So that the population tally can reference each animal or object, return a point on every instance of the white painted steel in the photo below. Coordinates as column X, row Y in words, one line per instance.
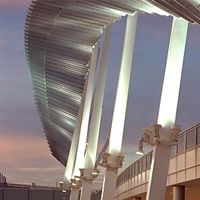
column 79, row 162
column 59, row 37
column 117, row 126
column 168, row 107
column 74, row 193
column 119, row 112
column 158, row 172
column 72, row 153
column 98, row 102
column 172, row 79
column 96, row 116
column 109, row 184
column 86, row 189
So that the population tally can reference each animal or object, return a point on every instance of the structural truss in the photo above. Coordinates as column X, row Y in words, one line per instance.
column 59, row 38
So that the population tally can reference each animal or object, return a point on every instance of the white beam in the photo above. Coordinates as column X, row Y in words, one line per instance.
column 74, row 145
column 82, row 128
column 118, row 120
column 173, row 72
column 79, row 162
column 119, row 113
column 167, row 112
column 96, row 117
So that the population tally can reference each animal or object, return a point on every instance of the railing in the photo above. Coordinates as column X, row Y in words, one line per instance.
column 186, row 140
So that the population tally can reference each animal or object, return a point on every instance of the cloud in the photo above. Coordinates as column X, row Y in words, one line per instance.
column 28, row 159
column 14, row 5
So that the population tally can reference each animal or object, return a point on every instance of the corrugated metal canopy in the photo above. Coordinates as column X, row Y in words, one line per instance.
column 59, row 38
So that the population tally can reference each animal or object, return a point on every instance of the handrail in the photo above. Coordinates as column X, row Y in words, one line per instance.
column 144, row 162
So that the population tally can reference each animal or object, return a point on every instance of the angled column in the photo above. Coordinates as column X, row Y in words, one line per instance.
column 74, row 145
column 90, row 172
column 113, row 160
column 83, row 128
column 178, row 192
column 167, row 112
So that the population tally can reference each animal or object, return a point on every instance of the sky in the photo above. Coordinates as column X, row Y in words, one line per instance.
column 24, row 153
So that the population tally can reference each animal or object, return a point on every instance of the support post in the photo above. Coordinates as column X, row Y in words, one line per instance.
column 178, row 192
column 96, row 119
column 74, row 193
column 113, row 160
column 86, row 189
column 167, row 112
column 83, row 126
column 74, row 145
column 79, row 162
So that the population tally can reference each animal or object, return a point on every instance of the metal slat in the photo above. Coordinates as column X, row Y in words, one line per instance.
column 59, row 38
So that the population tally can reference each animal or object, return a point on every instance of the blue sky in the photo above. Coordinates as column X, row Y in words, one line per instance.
column 24, row 150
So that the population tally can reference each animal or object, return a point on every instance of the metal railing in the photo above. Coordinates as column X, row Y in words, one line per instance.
column 186, row 140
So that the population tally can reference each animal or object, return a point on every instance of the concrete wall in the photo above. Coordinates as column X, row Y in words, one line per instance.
column 25, row 194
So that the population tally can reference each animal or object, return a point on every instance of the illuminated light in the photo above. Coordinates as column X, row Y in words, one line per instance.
column 172, row 79
column 94, row 173
column 140, row 153
column 64, row 191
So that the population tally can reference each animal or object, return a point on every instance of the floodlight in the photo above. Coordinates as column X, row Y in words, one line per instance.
column 140, row 148
column 156, row 130
column 174, row 130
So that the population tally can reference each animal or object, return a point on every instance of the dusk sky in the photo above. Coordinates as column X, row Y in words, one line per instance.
column 24, row 153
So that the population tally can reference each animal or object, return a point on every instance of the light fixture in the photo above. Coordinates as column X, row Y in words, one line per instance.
column 156, row 130
column 146, row 134
column 120, row 159
column 95, row 173
column 174, row 131
column 82, row 172
column 140, row 148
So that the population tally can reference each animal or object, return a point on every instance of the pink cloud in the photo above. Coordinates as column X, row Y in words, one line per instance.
column 14, row 4
column 27, row 160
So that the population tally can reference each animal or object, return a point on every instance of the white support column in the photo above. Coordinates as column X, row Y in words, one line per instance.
column 173, row 72
column 178, row 192
column 79, row 163
column 79, row 159
column 74, row 193
column 74, row 145
column 96, row 119
column 86, row 189
column 113, row 160
column 167, row 112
